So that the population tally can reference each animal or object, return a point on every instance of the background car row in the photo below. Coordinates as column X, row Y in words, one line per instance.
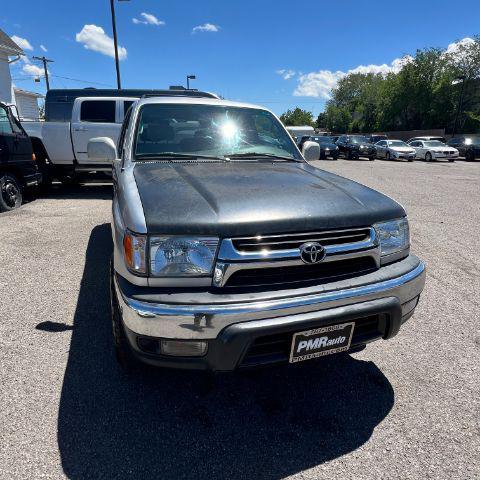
column 426, row 148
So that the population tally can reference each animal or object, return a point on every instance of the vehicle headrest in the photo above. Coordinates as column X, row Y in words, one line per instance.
column 157, row 132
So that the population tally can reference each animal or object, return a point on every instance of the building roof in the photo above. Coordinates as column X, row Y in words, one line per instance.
column 26, row 92
column 8, row 46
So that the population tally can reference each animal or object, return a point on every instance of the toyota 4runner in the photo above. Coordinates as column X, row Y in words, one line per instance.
column 231, row 251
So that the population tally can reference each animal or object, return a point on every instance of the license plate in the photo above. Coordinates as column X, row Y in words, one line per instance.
column 321, row 341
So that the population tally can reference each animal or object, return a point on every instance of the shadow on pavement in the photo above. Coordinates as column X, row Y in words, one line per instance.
column 88, row 190
column 265, row 424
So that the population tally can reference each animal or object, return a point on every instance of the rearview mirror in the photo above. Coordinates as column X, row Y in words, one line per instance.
column 102, row 148
column 311, row 151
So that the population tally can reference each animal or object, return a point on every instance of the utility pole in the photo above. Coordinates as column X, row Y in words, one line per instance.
column 45, row 61
column 114, row 28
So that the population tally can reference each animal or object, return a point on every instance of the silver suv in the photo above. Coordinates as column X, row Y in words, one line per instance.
column 232, row 251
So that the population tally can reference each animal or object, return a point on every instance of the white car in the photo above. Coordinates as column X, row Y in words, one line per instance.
column 429, row 150
column 395, row 149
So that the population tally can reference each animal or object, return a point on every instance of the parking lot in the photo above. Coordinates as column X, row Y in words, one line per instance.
column 407, row 408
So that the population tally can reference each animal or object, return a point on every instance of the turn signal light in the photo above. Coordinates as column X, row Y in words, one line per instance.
column 134, row 247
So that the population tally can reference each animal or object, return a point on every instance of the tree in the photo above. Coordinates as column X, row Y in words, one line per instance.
column 297, row 118
column 424, row 94
column 321, row 120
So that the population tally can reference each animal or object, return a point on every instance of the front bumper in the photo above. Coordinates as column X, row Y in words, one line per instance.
column 231, row 324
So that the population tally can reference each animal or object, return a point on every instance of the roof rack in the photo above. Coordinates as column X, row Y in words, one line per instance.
column 180, row 93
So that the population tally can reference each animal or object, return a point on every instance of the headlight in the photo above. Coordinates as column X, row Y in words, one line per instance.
column 394, row 236
column 175, row 256
column 134, row 248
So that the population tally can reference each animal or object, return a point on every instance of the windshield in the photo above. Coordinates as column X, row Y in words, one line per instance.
column 324, row 139
column 209, row 131
column 472, row 141
column 397, row 143
column 434, row 143
column 358, row 139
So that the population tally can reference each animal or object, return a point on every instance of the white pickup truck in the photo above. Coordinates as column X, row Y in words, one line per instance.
column 72, row 118
column 61, row 147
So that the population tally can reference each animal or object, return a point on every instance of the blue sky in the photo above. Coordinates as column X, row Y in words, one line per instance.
column 275, row 53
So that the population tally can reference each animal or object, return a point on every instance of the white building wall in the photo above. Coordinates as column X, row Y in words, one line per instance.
column 6, row 94
column 27, row 106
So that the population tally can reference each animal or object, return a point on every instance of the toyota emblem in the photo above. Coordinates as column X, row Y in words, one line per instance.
column 312, row 252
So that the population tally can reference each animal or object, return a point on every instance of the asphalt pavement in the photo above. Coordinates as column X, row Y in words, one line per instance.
column 407, row 408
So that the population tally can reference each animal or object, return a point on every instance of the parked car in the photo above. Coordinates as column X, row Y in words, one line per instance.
column 355, row 146
column 467, row 146
column 429, row 150
column 18, row 169
column 327, row 146
column 73, row 117
column 231, row 251
column 375, row 138
column 395, row 149
column 427, row 138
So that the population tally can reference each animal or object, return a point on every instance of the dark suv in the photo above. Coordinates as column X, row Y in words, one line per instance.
column 18, row 169
column 327, row 145
column 467, row 146
column 356, row 146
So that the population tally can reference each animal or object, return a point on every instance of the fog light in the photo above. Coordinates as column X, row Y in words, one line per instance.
column 179, row 348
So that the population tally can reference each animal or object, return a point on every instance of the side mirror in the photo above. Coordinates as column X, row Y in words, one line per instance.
column 311, row 151
column 102, row 148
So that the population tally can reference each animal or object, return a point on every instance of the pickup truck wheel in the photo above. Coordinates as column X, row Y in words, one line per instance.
column 123, row 353
column 10, row 192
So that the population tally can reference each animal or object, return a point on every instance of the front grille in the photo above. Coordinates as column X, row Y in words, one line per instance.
column 276, row 348
column 295, row 240
column 302, row 274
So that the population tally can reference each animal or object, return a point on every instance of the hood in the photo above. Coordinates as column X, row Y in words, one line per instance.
column 402, row 149
column 249, row 198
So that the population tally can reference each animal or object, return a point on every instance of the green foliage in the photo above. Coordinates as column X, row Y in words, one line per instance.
column 423, row 94
column 297, row 118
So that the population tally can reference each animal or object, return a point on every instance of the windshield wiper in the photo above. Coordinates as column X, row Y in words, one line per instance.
column 259, row 155
column 173, row 155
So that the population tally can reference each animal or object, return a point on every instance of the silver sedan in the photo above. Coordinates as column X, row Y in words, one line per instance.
column 394, row 149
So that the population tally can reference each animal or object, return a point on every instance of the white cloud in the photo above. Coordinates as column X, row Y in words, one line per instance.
column 33, row 70
column 148, row 19
column 94, row 38
column 286, row 74
column 455, row 46
column 23, row 43
column 321, row 83
column 317, row 84
column 206, row 27
column 43, row 48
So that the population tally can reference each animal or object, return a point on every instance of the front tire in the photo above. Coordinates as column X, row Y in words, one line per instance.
column 469, row 156
column 428, row 157
column 123, row 353
column 388, row 156
column 10, row 192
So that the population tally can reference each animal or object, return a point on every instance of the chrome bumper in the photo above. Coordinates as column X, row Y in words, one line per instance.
column 205, row 321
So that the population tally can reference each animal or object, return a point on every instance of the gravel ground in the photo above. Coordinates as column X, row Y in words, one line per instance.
column 407, row 408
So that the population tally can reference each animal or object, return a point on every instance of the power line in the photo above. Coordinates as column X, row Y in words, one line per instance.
column 28, row 77
column 84, row 81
